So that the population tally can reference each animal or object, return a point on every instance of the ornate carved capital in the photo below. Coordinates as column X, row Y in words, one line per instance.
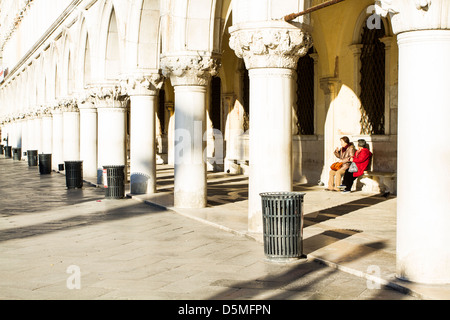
column 68, row 105
column 108, row 95
column 189, row 69
column 142, row 84
column 329, row 85
column 34, row 114
column 46, row 112
column 272, row 44
column 407, row 15
column 84, row 100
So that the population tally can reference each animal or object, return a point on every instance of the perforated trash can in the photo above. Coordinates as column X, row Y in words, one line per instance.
column 1, row 149
column 114, row 181
column 282, row 214
column 8, row 152
column 74, row 174
column 45, row 163
column 32, row 156
column 17, row 153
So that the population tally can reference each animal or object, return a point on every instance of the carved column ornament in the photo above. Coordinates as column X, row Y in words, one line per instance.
column 108, row 95
column 272, row 44
column 68, row 105
column 407, row 15
column 189, row 70
column 46, row 112
column 142, row 84
column 84, row 100
column 55, row 108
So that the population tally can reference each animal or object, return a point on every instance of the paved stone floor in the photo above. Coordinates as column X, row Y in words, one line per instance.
column 75, row 244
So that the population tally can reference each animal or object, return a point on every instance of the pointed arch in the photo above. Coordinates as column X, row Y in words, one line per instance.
column 190, row 26
column 109, row 51
column 38, row 82
column 67, row 61
column 143, row 34
column 54, row 76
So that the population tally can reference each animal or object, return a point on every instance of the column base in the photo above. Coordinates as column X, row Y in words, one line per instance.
column 190, row 200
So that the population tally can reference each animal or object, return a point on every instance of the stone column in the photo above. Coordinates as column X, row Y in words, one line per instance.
column 190, row 75
column 7, row 132
column 57, row 140
column 47, row 132
column 170, row 132
column 37, row 127
column 270, row 51
column 233, row 128
column 25, row 140
column 13, row 136
column 88, row 135
column 330, row 87
column 71, row 131
column 110, row 101
column 423, row 219
column 143, row 93
column 30, row 132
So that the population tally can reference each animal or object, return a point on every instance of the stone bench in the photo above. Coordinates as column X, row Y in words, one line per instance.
column 377, row 182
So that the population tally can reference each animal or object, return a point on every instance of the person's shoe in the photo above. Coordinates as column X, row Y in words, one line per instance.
column 345, row 191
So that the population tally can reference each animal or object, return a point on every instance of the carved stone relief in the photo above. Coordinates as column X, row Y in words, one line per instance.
column 189, row 70
column 270, row 47
column 109, row 95
column 407, row 15
column 141, row 84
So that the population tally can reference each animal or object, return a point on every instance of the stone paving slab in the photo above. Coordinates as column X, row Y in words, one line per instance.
column 125, row 249
column 355, row 233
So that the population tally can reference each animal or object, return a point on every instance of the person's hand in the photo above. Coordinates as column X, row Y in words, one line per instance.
column 337, row 150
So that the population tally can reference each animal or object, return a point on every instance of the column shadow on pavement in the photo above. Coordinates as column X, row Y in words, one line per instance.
column 308, row 280
column 133, row 209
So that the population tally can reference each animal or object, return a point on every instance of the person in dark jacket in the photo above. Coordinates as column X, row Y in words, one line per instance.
column 361, row 159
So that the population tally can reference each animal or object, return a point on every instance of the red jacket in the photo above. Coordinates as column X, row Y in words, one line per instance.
column 362, row 160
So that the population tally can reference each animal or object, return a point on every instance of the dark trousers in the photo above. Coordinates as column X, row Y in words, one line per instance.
column 348, row 180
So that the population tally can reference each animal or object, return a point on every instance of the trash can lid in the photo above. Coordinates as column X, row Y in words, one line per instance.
column 113, row 166
column 282, row 195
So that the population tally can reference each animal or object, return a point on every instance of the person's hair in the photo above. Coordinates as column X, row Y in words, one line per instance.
column 361, row 143
column 345, row 139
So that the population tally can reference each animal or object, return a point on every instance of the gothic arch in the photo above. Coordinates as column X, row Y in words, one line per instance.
column 37, row 81
column 193, row 27
column 143, row 35
column 367, row 20
column 83, row 56
column 54, row 75
column 110, row 29
column 67, row 61
column 375, row 20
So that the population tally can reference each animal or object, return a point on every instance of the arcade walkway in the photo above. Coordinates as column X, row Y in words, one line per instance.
column 74, row 244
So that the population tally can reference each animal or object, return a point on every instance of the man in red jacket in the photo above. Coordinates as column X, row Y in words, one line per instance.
column 362, row 160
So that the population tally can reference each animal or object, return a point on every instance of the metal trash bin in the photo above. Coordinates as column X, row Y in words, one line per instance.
column 17, row 153
column 114, row 181
column 1, row 148
column 282, row 214
column 32, row 157
column 74, row 174
column 45, row 163
column 8, row 152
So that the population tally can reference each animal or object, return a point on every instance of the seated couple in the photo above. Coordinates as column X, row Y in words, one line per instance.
column 347, row 154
